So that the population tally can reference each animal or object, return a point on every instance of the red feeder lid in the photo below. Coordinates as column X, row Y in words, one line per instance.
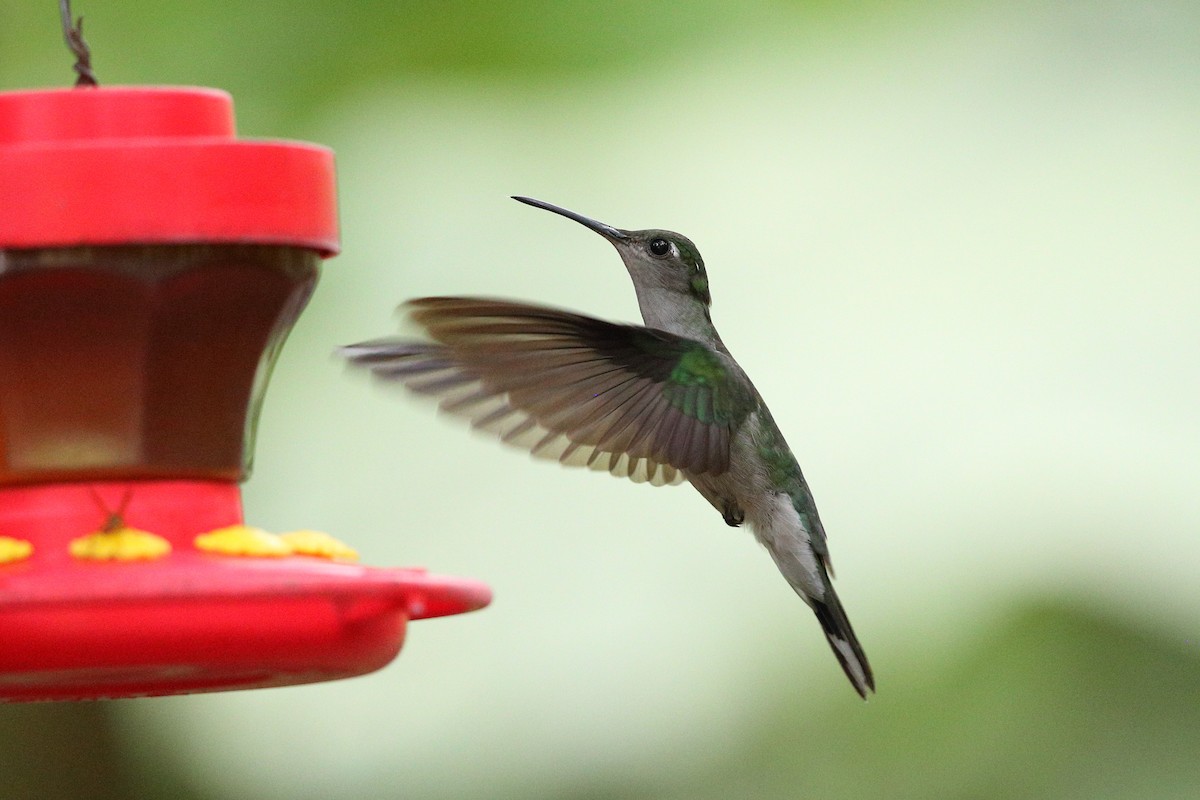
column 120, row 165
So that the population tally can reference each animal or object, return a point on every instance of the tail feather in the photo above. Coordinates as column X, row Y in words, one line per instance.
column 844, row 643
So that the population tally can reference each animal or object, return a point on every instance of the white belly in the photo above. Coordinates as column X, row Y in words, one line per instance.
column 770, row 515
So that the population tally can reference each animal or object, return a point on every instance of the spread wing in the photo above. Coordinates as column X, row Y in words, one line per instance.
column 634, row 401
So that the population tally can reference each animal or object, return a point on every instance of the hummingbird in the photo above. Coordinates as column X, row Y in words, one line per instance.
column 664, row 402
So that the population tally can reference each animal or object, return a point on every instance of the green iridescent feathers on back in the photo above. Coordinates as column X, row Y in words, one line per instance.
column 702, row 386
column 637, row 402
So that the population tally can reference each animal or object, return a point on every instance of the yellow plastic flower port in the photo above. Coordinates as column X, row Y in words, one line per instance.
column 319, row 544
column 242, row 540
column 120, row 543
column 13, row 550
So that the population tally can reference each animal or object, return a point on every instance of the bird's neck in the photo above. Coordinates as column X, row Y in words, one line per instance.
column 670, row 312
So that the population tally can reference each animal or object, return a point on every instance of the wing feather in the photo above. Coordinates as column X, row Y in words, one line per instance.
column 618, row 398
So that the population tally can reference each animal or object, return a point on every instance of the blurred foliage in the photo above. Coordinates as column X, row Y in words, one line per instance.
column 297, row 55
column 302, row 52
column 53, row 750
column 1054, row 701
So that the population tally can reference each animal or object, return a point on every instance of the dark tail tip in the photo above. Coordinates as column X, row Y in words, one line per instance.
column 844, row 643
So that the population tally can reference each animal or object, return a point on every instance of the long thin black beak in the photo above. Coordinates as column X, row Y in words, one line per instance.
column 607, row 231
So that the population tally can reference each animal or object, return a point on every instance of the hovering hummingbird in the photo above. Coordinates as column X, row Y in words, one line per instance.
column 661, row 404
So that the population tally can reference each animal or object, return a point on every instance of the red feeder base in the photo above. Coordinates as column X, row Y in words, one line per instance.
column 73, row 630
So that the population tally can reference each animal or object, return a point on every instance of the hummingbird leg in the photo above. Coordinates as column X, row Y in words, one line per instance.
column 734, row 515
column 730, row 510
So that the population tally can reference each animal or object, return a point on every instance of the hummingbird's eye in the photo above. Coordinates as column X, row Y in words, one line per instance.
column 660, row 247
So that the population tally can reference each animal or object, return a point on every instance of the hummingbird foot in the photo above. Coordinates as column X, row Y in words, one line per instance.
column 734, row 515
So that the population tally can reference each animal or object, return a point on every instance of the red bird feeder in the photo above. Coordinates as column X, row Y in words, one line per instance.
column 151, row 266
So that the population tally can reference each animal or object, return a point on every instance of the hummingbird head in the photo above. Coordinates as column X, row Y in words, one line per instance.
column 666, row 268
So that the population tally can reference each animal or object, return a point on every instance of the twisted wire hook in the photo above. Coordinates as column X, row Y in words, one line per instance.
column 73, row 34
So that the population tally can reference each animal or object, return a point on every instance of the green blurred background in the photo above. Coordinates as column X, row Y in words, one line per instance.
column 956, row 244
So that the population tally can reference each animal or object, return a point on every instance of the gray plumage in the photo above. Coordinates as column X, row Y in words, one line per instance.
column 660, row 403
